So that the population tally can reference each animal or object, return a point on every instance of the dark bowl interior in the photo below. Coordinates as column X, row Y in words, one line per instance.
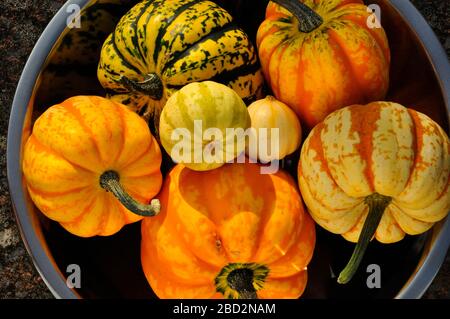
column 111, row 265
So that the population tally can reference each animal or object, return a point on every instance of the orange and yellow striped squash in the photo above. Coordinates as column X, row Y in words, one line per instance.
column 378, row 170
column 318, row 56
column 76, row 155
column 230, row 232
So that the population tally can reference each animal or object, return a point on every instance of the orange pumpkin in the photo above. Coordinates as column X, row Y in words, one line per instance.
column 319, row 56
column 379, row 170
column 76, row 155
column 231, row 232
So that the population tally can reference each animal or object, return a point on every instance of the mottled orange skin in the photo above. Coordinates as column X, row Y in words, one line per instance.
column 71, row 145
column 383, row 148
column 228, row 215
column 342, row 62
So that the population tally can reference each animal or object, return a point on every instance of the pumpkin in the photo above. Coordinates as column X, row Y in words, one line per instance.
column 161, row 45
column 202, row 125
column 228, row 233
column 379, row 170
column 318, row 56
column 84, row 160
column 268, row 114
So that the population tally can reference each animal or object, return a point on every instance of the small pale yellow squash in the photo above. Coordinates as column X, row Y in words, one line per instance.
column 276, row 130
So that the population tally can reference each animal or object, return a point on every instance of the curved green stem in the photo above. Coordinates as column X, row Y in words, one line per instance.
column 377, row 204
column 241, row 281
column 110, row 181
column 308, row 19
column 151, row 86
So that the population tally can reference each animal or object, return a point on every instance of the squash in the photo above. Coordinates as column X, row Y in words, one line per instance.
column 161, row 45
column 267, row 114
column 230, row 232
column 203, row 125
column 378, row 170
column 318, row 56
column 75, row 157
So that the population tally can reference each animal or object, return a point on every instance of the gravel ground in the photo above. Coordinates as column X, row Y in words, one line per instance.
column 21, row 23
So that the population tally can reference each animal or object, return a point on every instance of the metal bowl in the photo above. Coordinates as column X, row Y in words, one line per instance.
column 63, row 63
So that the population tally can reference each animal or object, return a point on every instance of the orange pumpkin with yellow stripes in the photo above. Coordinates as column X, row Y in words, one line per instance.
column 81, row 154
column 378, row 170
column 230, row 232
column 319, row 56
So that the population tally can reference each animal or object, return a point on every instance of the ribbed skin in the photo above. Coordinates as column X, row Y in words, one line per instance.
column 71, row 145
column 232, row 214
column 216, row 106
column 182, row 41
column 384, row 148
column 342, row 62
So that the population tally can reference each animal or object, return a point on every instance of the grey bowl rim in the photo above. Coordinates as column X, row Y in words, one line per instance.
column 44, row 264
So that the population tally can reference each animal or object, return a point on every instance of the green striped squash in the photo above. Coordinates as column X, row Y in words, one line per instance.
column 161, row 45
column 202, row 125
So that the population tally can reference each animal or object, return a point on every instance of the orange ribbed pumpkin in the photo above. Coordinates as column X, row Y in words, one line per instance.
column 76, row 155
column 322, row 56
column 231, row 232
column 379, row 170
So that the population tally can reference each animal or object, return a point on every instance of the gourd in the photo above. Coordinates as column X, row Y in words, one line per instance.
column 269, row 116
column 91, row 165
column 318, row 56
column 379, row 170
column 228, row 233
column 203, row 125
column 161, row 45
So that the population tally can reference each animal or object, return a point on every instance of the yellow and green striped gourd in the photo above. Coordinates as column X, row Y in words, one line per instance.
column 203, row 125
column 161, row 45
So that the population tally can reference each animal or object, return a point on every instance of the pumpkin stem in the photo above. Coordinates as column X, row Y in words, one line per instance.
column 241, row 281
column 151, row 86
column 109, row 181
column 308, row 19
column 377, row 204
